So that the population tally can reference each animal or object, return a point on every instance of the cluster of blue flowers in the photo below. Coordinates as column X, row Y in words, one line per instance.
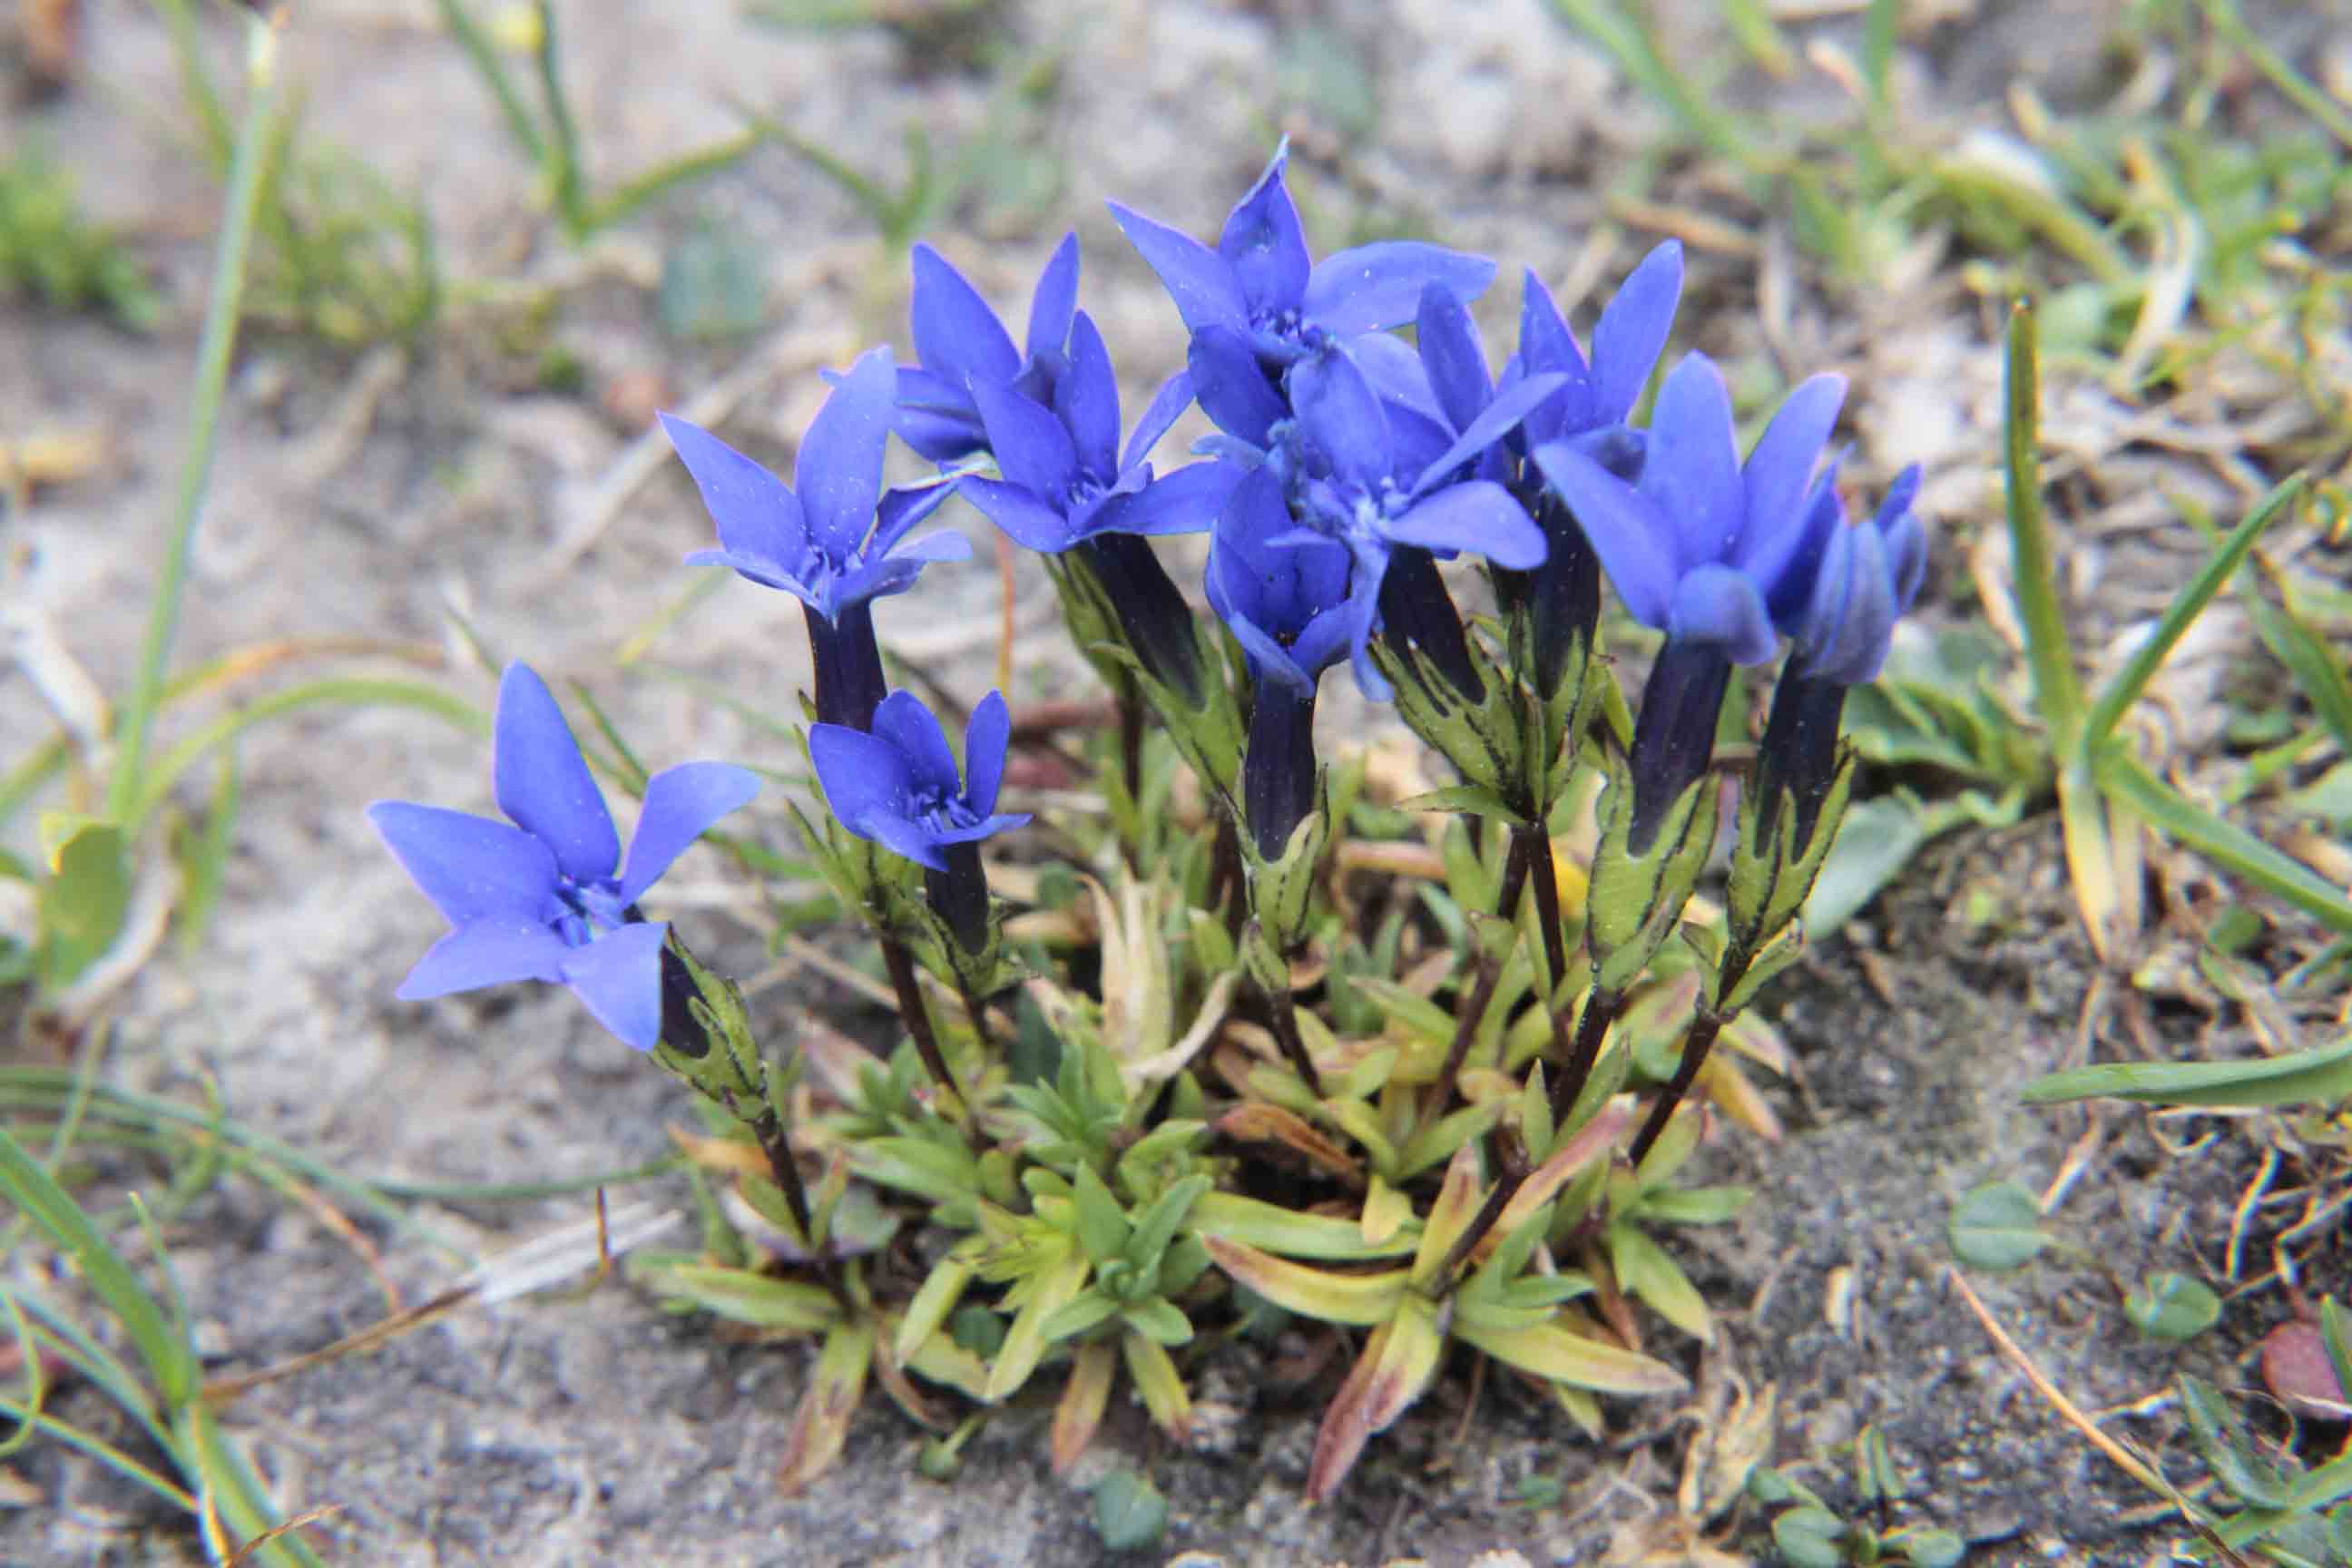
column 1347, row 464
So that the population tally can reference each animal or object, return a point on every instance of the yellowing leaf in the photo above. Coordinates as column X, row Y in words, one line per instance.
column 1360, row 1298
column 1555, row 1352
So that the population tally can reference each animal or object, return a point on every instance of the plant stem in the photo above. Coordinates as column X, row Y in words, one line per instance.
column 1507, row 1187
column 1695, row 1046
column 1600, row 1008
column 212, row 353
column 917, row 1019
column 1283, row 1006
column 1532, row 848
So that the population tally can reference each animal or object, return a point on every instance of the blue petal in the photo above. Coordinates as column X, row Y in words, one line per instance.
column 1692, row 475
column 543, row 783
column 1855, row 646
column 1055, row 297
column 861, row 774
column 472, row 867
column 680, row 804
column 957, row 336
column 1396, row 372
column 756, row 515
column 1625, row 530
column 985, row 740
column 1265, row 245
column 1454, row 358
column 1232, row 388
column 839, row 469
column 901, row 835
column 1906, row 541
column 898, row 571
column 766, row 573
column 903, row 722
column 988, row 827
column 1494, row 421
column 1167, row 406
column 1201, row 282
column 1341, row 416
column 940, row 438
column 901, row 509
column 1363, row 614
column 1087, row 399
column 1375, row 286
column 1028, row 522
column 1033, row 448
column 1779, row 478
column 1632, row 332
column 1478, row 516
column 618, row 977
column 1183, row 501
column 1716, row 605
column 496, row 951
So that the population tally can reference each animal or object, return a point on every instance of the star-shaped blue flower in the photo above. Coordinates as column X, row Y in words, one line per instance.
column 1261, row 284
column 1065, row 476
column 1706, row 550
column 897, row 784
column 1868, row 575
column 547, row 895
column 961, row 345
column 835, row 540
column 1376, row 477
column 1285, row 597
column 1599, row 393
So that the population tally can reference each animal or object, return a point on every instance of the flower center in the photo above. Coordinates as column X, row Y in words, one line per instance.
column 587, row 910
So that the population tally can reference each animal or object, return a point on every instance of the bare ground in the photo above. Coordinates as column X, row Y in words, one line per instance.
column 374, row 495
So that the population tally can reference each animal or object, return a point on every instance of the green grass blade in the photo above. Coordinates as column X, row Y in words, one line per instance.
column 168, row 1360
column 562, row 148
column 624, row 200
column 2181, row 613
column 2057, row 691
column 204, row 413
column 483, row 53
column 2235, row 849
column 37, row 1385
column 105, row 1454
column 233, row 1497
column 2289, row 82
column 2320, row 1076
column 2318, row 668
column 71, row 1343
column 354, row 691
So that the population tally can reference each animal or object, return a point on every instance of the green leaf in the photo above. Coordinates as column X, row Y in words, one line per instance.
column 1996, row 1226
column 2172, row 1306
column 1102, row 1224
column 84, row 898
column 2236, row 1464
column 1927, row 1548
column 2318, row 1077
column 1644, row 1269
column 1130, row 1512
column 1161, row 1322
column 742, row 1295
column 1476, row 799
column 1088, row 1309
column 2235, row 849
column 2186, row 606
column 171, row 1363
column 1810, row 1538
column 1877, row 840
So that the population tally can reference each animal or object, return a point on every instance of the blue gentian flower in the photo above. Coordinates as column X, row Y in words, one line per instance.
column 897, row 786
column 836, row 545
column 1718, row 556
column 547, row 894
column 1285, row 599
column 1065, row 476
column 1380, row 479
column 1700, row 547
column 1864, row 580
column 1260, row 283
column 1600, row 392
column 961, row 345
column 1067, row 484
